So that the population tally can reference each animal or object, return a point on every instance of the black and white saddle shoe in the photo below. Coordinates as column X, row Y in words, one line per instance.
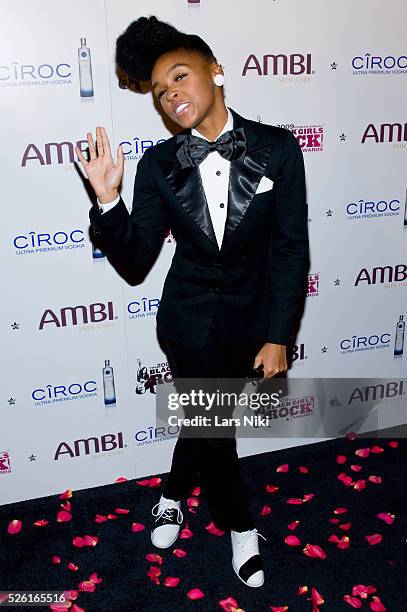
column 169, row 518
column 246, row 559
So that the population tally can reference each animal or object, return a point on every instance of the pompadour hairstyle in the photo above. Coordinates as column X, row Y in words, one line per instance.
column 145, row 39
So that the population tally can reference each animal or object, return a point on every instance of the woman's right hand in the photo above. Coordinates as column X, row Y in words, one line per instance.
column 104, row 176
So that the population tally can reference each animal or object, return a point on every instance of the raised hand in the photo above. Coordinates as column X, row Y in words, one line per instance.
column 104, row 175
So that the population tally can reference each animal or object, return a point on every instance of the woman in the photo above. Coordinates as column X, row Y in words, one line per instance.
column 238, row 274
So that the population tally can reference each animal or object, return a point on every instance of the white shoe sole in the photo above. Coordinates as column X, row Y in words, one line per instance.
column 254, row 586
column 168, row 545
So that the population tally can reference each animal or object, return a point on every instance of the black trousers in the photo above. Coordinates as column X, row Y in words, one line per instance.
column 211, row 461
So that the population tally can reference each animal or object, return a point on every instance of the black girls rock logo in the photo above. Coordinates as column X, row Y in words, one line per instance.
column 148, row 378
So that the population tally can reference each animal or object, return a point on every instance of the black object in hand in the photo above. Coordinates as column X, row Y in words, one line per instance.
column 257, row 372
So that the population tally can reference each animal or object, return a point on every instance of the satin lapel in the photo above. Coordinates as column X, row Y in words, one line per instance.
column 186, row 184
column 245, row 175
column 244, row 179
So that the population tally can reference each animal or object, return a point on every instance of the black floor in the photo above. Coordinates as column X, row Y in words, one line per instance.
column 119, row 557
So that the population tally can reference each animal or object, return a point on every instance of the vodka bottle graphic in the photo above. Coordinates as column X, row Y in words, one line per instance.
column 85, row 70
column 96, row 252
column 399, row 341
column 108, row 383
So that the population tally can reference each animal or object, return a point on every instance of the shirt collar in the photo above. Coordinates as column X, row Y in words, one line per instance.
column 228, row 126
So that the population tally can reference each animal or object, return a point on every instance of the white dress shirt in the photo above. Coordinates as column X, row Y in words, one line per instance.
column 214, row 172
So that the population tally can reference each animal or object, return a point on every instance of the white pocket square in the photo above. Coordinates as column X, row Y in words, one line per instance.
column 265, row 184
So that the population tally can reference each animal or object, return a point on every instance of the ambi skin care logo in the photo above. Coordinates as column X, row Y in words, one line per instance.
column 399, row 340
column 85, row 70
column 108, row 384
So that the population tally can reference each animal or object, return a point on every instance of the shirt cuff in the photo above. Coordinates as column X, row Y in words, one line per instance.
column 105, row 207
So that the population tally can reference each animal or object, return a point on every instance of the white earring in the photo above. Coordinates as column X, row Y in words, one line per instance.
column 219, row 79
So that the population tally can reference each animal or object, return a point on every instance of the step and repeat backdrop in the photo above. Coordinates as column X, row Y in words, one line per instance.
column 81, row 362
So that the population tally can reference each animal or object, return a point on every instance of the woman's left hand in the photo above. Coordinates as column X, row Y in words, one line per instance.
column 273, row 357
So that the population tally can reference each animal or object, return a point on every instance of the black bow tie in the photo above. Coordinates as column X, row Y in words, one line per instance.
column 192, row 150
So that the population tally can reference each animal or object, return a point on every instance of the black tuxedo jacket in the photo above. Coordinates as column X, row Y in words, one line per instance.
column 256, row 282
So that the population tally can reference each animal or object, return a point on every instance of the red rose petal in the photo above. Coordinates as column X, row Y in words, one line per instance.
column 171, row 581
column 60, row 607
column 386, row 517
column 193, row 502
column 308, row 496
column 359, row 485
column 100, row 518
column 377, row 605
column 363, row 591
column 153, row 574
column 229, row 604
column 373, row 539
column 212, row 529
column 292, row 540
column 314, row 551
column 78, row 542
column 137, row 527
column 155, row 482
column 195, row 594
column 316, row 598
column 345, row 526
column 94, row 578
column 271, row 488
column 186, row 532
column 14, row 526
column 283, row 468
column 72, row 567
column 362, row 452
column 63, row 516
column 154, row 558
column 66, row 494
column 178, row 552
column 356, row 468
column 87, row 586
column 352, row 601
